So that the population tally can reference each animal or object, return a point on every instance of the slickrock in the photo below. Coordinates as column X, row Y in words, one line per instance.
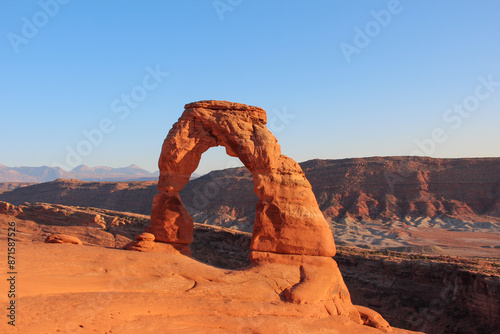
column 91, row 225
column 320, row 281
column 63, row 239
column 429, row 294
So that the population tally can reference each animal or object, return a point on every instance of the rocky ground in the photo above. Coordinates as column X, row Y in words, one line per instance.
column 100, row 287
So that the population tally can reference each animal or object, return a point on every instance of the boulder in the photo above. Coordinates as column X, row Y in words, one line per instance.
column 63, row 239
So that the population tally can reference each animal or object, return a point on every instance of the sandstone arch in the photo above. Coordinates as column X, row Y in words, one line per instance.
column 287, row 219
column 291, row 240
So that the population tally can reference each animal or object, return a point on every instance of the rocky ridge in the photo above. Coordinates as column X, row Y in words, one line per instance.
column 360, row 188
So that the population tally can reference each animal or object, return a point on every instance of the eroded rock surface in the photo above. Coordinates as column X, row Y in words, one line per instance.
column 287, row 216
column 63, row 239
column 290, row 233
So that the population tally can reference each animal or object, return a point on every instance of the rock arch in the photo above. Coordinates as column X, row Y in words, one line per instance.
column 291, row 240
column 287, row 219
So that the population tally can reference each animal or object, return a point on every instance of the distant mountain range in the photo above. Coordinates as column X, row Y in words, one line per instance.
column 82, row 172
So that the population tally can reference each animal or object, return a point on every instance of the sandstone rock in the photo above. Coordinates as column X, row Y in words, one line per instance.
column 145, row 236
column 287, row 218
column 394, row 287
column 158, row 247
column 289, row 229
column 170, row 221
column 9, row 209
column 320, row 281
column 90, row 225
column 63, row 239
column 373, row 319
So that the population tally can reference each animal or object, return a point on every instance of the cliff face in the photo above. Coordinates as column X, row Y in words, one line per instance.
column 425, row 293
column 394, row 187
column 369, row 188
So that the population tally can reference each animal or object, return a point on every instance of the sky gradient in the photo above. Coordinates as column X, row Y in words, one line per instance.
column 102, row 82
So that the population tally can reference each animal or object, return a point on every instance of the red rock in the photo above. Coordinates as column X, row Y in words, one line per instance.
column 373, row 319
column 158, row 247
column 288, row 219
column 145, row 236
column 9, row 209
column 320, row 282
column 170, row 221
column 63, row 239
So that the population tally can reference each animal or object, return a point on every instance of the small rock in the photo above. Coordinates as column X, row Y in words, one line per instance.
column 158, row 247
column 145, row 237
column 63, row 239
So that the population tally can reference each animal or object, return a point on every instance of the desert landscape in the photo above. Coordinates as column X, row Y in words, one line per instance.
column 263, row 167
column 425, row 210
column 417, row 250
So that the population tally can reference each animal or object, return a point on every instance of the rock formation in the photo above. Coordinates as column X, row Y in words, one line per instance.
column 289, row 228
column 288, row 219
column 63, row 239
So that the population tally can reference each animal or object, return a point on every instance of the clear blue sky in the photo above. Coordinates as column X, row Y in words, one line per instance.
column 357, row 78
